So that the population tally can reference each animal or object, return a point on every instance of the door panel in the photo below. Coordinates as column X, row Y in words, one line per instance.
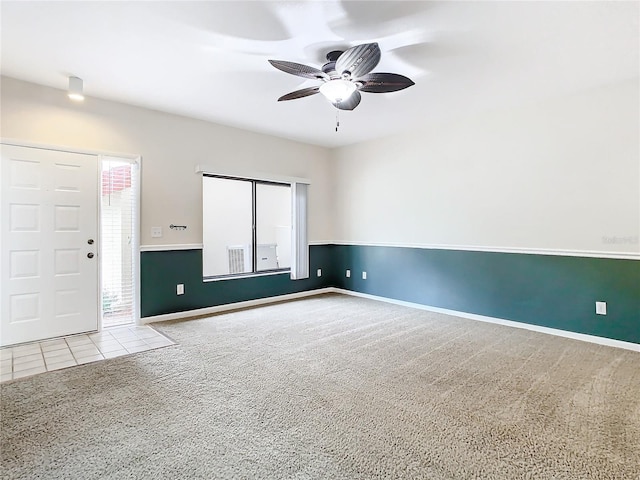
column 49, row 286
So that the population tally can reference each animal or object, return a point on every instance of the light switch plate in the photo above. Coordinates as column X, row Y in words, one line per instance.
column 348, row 273
column 601, row 308
column 180, row 289
column 156, row 232
column 364, row 275
column 319, row 272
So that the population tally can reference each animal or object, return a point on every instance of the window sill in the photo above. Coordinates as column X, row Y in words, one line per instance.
column 248, row 275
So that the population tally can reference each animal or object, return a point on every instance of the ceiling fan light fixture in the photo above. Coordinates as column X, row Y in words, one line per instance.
column 337, row 90
column 345, row 76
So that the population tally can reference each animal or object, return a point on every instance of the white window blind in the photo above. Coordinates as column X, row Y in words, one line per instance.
column 119, row 199
column 299, row 240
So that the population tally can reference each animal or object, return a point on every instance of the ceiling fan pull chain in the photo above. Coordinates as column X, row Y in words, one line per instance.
column 337, row 119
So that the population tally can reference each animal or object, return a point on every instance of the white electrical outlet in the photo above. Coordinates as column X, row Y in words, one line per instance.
column 156, row 232
column 180, row 289
column 601, row 308
column 348, row 273
column 364, row 275
column 319, row 272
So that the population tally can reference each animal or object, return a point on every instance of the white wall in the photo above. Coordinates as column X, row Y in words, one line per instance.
column 562, row 175
column 171, row 146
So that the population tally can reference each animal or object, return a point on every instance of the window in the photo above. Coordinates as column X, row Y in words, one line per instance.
column 118, row 240
column 248, row 227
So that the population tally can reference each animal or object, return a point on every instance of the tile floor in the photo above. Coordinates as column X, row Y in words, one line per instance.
column 48, row 355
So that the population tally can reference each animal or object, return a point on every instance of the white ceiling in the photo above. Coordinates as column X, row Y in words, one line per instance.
column 208, row 59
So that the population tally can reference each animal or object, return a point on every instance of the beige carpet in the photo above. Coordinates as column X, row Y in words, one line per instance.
column 333, row 387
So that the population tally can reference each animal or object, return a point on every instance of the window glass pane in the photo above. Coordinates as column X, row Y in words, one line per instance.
column 227, row 226
column 118, row 240
column 273, row 226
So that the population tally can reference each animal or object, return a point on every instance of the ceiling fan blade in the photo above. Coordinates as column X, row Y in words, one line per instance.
column 359, row 60
column 350, row 103
column 305, row 92
column 384, row 82
column 299, row 69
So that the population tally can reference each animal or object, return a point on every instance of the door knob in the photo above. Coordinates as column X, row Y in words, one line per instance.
column 90, row 255
column 90, row 241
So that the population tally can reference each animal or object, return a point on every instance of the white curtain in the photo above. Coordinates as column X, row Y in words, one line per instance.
column 299, row 241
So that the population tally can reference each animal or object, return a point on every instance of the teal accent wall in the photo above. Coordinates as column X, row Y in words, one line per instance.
column 160, row 272
column 547, row 290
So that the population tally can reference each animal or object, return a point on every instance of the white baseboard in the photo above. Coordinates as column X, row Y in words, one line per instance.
column 500, row 321
column 472, row 316
column 233, row 306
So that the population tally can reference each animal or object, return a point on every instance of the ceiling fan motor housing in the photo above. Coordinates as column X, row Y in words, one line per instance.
column 330, row 69
column 333, row 55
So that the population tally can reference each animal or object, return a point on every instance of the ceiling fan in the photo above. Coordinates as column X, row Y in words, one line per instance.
column 344, row 76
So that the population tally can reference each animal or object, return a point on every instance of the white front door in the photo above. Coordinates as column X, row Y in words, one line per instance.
column 48, row 263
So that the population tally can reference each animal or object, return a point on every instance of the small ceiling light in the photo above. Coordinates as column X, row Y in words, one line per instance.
column 75, row 91
column 337, row 90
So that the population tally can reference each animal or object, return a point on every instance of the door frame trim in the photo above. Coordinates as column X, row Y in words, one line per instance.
column 135, row 158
